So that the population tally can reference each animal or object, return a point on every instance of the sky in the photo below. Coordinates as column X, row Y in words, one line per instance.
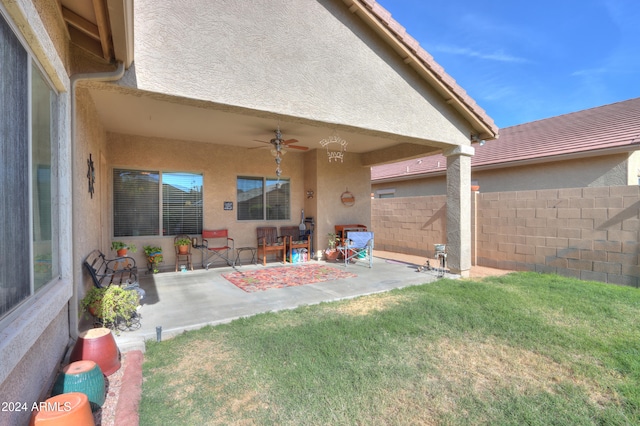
column 525, row 60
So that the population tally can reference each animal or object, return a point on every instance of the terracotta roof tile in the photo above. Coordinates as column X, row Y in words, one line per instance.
column 588, row 131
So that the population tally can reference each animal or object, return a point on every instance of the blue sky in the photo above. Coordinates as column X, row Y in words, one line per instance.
column 524, row 60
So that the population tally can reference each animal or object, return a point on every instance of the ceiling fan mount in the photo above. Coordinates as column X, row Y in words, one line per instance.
column 278, row 147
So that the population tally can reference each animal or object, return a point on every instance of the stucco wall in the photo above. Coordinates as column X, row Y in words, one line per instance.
column 592, row 172
column 308, row 58
column 221, row 165
column 590, row 233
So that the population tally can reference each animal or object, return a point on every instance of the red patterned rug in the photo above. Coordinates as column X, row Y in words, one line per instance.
column 284, row 276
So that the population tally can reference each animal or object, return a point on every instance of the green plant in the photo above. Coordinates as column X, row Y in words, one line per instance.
column 333, row 239
column 152, row 250
column 154, row 257
column 111, row 304
column 119, row 245
column 183, row 242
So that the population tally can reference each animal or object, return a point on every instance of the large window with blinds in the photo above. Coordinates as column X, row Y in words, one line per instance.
column 152, row 203
column 260, row 198
column 28, row 185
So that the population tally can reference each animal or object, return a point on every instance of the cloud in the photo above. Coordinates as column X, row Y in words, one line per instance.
column 499, row 55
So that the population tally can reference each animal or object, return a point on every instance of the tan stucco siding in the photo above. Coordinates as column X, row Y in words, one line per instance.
column 310, row 59
column 633, row 169
column 608, row 170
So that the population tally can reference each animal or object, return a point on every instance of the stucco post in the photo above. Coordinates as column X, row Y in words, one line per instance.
column 459, row 209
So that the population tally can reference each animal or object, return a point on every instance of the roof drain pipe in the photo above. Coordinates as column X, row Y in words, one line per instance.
column 77, row 272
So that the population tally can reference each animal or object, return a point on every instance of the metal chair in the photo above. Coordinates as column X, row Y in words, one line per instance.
column 270, row 242
column 180, row 255
column 295, row 240
column 357, row 245
column 216, row 244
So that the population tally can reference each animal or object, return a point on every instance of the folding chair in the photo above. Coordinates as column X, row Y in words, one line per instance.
column 357, row 245
column 223, row 248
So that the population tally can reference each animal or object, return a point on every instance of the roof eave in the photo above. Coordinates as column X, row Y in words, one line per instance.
column 415, row 56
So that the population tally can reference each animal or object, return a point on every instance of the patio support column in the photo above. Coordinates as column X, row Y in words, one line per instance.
column 459, row 209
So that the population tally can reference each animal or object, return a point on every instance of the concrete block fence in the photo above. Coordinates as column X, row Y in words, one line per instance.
column 590, row 233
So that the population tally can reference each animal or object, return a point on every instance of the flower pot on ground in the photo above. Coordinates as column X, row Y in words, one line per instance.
column 111, row 305
column 121, row 248
column 331, row 253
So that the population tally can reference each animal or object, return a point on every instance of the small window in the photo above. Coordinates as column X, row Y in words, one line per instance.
column 263, row 198
column 386, row 193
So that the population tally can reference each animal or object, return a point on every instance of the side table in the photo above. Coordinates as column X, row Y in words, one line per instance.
column 253, row 251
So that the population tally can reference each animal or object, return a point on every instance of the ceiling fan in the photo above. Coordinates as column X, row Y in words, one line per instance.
column 278, row 142
column 279, row 146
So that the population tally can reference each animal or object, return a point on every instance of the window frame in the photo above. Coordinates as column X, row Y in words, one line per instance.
column 159, row 230
column 48, row 261
column 265, row 180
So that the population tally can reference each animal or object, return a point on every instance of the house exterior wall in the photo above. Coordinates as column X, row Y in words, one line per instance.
column 607, row 170
column 221, row 165
column 33, row 339
column 591, row 233
column 310, row 59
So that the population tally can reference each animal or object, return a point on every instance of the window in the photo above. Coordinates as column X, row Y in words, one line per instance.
column 140, row 207
column 28, row 233
column 386, row 193
column 263, row 198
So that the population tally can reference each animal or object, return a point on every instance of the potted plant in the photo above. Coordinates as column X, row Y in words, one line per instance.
column 121, row 248
column 154, row 257
column 331, row 253
column 111, row 305
column 183, row 245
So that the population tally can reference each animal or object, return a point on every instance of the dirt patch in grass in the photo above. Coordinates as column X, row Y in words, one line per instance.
column 486, row 366
column 210, row 367
column 366, row 305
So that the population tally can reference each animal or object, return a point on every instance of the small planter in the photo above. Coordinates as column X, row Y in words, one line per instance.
column 183, row 249
column 331, row 254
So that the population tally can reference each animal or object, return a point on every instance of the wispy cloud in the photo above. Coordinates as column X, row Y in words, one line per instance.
column 589, row 72
column 499, row 55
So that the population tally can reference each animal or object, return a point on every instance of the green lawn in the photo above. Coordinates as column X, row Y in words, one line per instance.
column 524, row 348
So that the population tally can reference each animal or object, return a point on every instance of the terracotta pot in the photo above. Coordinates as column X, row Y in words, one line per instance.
column 183, row 249
column 122, row 252
column 67, row 409
column 331, row 255
column 475, row 187
column 82, row 376
column 97, row 345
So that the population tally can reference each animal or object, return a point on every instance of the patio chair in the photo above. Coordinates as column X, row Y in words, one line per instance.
column 357, row 245
column 183, row 255
column 216, row 244
column 270, row 242
column 295, row 240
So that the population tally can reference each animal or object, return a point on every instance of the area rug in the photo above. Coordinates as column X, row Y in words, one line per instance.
column 284, row 276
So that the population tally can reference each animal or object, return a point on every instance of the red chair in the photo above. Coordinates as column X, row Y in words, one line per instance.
column 217, row 245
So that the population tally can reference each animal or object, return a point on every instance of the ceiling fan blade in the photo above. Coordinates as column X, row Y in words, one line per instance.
column 288, row 141
column 302, row 148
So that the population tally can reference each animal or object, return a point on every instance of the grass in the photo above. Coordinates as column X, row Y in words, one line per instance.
column 524, row 348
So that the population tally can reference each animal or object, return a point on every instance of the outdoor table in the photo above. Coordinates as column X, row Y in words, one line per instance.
column 253, row 251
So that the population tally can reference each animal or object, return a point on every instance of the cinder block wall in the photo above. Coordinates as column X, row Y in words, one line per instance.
column 409, row 225
column 588, row 233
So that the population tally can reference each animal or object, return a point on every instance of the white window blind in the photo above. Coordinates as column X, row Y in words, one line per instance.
column 263, row 198
column 181, row 203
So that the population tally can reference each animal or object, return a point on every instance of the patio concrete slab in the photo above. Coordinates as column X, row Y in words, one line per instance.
column 181, row 301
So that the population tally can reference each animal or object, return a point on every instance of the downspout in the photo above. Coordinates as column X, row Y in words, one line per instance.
column 77, row 273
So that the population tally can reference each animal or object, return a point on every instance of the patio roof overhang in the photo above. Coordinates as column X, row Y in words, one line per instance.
column 128, row 111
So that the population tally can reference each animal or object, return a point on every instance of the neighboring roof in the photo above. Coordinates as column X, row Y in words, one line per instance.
column 595, row 131
column 423, row 62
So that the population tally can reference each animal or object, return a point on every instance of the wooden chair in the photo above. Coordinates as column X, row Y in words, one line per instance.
column 270, row 242
column 187, row 255
column 295, row 241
